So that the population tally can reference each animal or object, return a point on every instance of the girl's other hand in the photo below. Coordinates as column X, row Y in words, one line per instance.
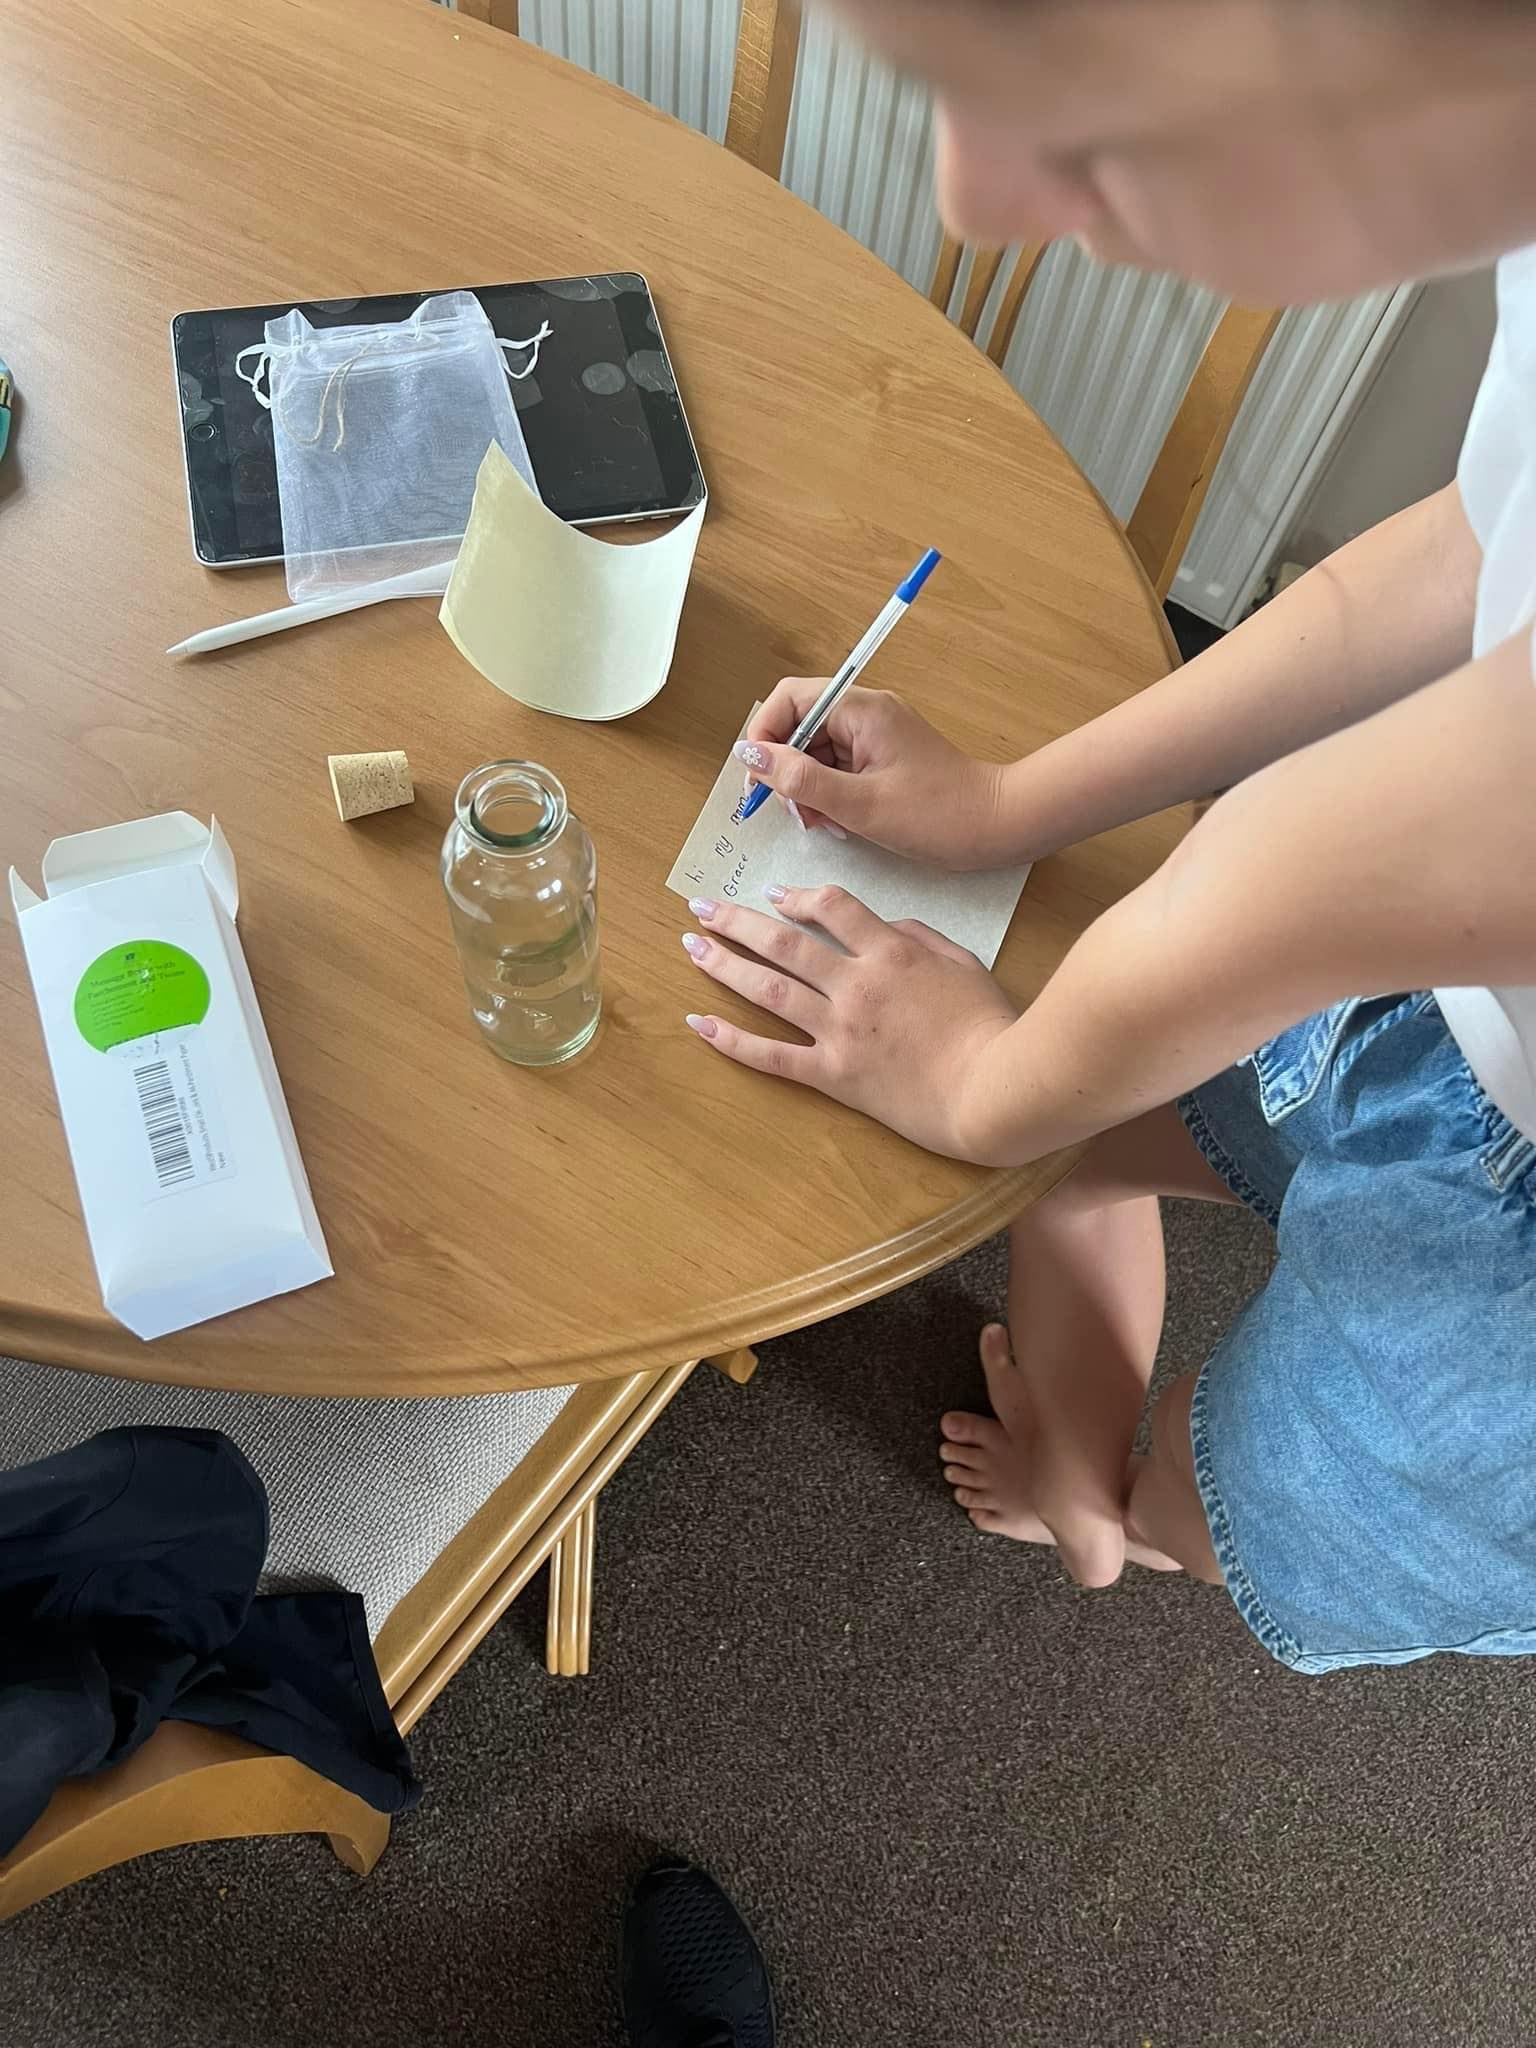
column 895, row 1022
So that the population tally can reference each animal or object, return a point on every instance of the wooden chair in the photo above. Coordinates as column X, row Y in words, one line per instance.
column 191, row 1784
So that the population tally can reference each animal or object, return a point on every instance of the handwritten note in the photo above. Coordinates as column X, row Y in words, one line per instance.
column 734, row 862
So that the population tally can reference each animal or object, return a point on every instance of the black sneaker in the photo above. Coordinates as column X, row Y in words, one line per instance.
column 693, row 1976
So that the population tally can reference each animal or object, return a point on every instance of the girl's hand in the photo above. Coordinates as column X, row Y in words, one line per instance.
column 879, row 770
column 895, row 1023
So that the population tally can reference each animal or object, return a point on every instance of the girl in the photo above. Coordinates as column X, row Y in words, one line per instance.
column 1356, row 1462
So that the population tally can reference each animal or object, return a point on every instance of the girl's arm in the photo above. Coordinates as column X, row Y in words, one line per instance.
column 1397, row 855
column 1374, row 622
column 1379, row 619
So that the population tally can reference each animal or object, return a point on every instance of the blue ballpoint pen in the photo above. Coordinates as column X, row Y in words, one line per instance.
column 851, row 670
column 5, row 407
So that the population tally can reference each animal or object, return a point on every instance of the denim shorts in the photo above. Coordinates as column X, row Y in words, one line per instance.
column 1365, row 1433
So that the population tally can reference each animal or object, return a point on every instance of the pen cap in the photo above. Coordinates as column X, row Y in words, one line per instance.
column 914, row 583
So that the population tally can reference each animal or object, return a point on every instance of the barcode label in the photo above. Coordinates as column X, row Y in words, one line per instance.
column 178, row 1112
column 163, row 1126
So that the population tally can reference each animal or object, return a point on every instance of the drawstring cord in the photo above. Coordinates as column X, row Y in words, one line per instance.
column 336, row 383
column 517, row 347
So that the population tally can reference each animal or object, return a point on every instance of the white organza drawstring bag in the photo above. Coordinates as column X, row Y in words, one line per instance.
column 379, row 433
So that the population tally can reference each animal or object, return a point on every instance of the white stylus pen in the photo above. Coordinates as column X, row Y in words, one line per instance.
column 416, row 583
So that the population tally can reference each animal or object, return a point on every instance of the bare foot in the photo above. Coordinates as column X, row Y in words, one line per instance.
column 987, row 1458
column 999, row 1472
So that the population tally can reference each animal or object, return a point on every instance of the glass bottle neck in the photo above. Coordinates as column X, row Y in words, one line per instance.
column 513, row 807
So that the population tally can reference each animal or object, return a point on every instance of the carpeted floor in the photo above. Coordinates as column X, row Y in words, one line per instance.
column 966, row 1805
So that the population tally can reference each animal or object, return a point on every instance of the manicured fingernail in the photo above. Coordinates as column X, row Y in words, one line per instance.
column 794, row 811
column 776, row 892
column 836, row 830
column 706, row 1027
column 703, row 909
column 695, row 947
column 753, row 756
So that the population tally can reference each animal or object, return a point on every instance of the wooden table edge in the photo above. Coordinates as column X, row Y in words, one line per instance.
column 50, row 1340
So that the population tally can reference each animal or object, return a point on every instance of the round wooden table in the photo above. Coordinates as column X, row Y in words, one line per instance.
column 491, row 1228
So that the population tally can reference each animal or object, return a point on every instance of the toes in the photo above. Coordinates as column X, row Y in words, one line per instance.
column 996, row 1346
column 974, row 1457
column 969, row 1497
column 989, row 1523
column 1153, row 1560
column 1005, row 1384
column 979, row 1432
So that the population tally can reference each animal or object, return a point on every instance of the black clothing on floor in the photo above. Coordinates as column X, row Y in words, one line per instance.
column 693, row 1976
column 128, row 1570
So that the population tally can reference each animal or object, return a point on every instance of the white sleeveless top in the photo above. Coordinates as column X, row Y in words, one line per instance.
column 1496, row 1027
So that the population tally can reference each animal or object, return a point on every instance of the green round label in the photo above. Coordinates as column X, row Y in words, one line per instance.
column 137, row 989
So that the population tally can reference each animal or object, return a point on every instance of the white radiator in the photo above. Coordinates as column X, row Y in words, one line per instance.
column 1103, row 355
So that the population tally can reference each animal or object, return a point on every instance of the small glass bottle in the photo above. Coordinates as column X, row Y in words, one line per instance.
column 521, row 877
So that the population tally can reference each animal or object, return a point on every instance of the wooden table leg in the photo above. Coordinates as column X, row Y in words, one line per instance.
column 736, row 1365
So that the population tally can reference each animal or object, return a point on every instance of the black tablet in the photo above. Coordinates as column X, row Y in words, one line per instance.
column 605, row 427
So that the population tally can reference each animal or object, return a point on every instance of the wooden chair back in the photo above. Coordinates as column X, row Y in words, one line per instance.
column 1160, row 527
column 499, row 13
column 763, row 85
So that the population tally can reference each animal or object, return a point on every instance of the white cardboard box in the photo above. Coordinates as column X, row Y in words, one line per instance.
column 195, row 1197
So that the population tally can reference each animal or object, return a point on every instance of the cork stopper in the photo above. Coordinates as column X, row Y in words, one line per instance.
column 365, row 783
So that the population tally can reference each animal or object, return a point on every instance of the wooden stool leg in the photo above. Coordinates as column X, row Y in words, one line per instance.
column 568, row 1627
column 552, row 1610
column 584, row 1620
column 736, row 1365
column 570, row 1597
